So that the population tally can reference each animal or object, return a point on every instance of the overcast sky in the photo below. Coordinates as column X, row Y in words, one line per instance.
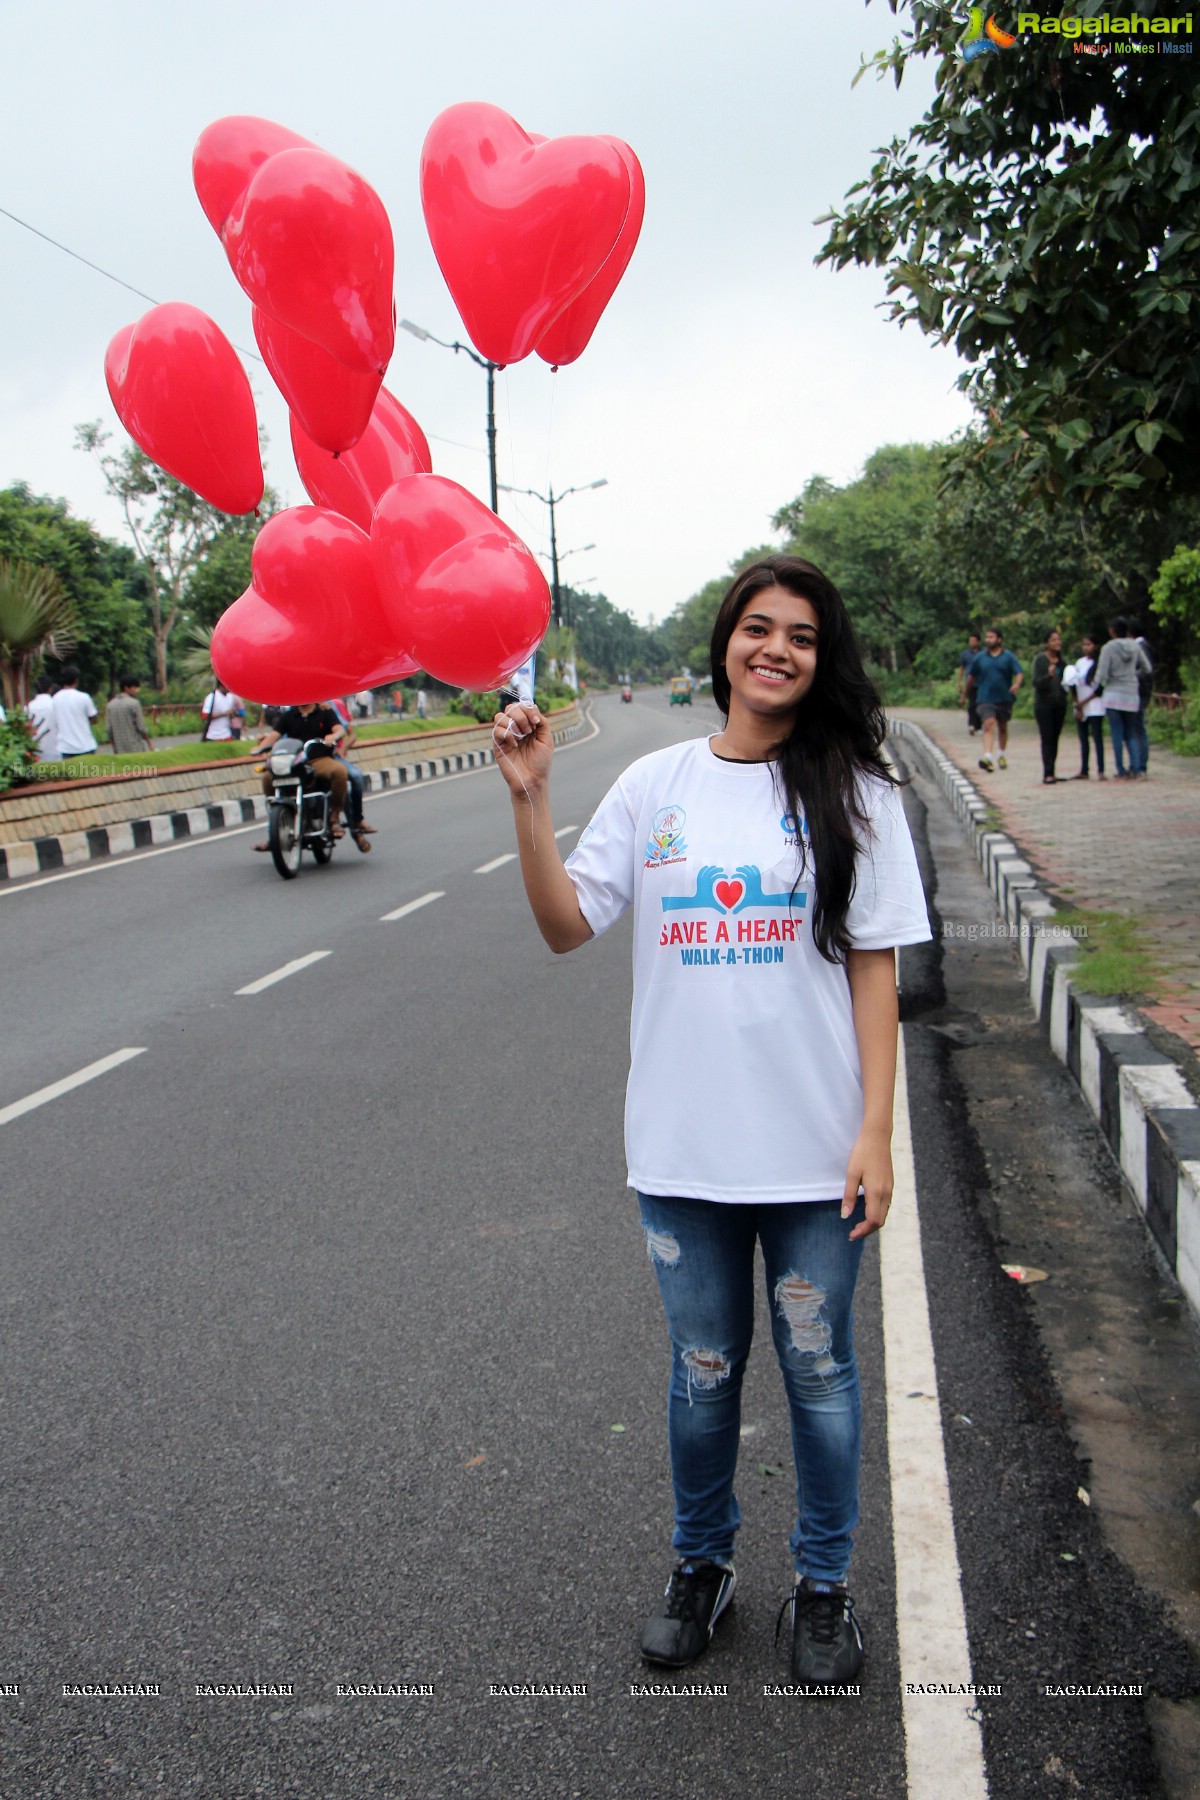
column 727, row 369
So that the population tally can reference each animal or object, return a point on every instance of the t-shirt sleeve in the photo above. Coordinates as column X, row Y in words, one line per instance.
column 601, row 865
column 888, row 905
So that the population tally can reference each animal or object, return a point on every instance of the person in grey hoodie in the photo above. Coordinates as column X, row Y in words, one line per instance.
column 1122, row 660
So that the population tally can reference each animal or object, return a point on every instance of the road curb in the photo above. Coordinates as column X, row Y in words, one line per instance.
column 45, row 855
column 1138, row 1096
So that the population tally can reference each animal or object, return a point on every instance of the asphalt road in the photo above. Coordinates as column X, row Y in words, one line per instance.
column 333, row 1356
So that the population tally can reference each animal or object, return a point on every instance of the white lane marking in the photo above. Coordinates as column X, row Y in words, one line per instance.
column 412, row 905
column 15, row 1110
column 266, row 981
column 497, row 862
column 565, row 830
column 25, row 885
column 942, row 1737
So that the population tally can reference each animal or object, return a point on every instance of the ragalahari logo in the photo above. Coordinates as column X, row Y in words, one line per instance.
column 983, row 39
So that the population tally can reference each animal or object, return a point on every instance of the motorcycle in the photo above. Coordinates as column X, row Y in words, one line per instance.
column 627, row 696
column 298, row 812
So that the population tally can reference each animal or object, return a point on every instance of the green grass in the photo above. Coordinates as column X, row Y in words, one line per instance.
column 1178, row 730
column 385, row 728
column 81, row 768
column 1114, row 958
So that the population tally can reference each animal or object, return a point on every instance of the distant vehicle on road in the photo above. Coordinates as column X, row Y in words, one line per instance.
column 627, row 695
column 681, row 690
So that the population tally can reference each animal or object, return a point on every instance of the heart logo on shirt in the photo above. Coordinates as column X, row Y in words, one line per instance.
column 729, row 893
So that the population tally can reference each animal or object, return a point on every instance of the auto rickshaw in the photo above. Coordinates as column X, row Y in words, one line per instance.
column 681, row 690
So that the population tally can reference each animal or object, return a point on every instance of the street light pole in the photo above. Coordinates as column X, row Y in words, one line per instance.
column 555, row 560
column 555, row 589
column 427, row 337
column 551, row 500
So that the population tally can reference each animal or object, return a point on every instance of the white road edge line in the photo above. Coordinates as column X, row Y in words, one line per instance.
column 565, row 830
column 266, row 981
column 25, row 884
column 411, row 906
column 56, row 1088
column 942, row 1734
column 497, row 862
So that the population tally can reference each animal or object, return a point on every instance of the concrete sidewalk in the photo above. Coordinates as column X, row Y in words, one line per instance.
column 1119, row 846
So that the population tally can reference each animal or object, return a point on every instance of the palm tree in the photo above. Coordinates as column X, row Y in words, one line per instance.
column 195, row 664
column 37, row 616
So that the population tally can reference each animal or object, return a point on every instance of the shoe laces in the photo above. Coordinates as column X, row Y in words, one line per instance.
column 682, row 1590
column 824, row 1612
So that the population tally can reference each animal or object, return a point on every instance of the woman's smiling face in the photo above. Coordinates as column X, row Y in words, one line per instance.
column 771, row 658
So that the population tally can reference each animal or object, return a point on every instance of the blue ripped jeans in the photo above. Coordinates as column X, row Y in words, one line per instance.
column 703, row 1255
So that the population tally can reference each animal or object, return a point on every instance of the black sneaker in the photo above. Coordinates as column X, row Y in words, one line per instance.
column 697, row 1594
column 827, row 1644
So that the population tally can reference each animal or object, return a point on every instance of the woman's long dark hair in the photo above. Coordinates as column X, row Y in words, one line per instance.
column 836, row 739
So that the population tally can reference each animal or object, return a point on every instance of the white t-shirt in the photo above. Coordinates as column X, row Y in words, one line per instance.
column 72, row 710
column 1092, row 705
column 744, row 1079
column 221, row 709
column 45, row 732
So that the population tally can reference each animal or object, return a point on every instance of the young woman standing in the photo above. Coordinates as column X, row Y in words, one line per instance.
column 771, row 876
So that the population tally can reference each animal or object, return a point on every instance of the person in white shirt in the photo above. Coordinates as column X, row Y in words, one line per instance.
column 73, row 714
column 223, row 713
column 1082, row 679
column 771, row 875
column 41, row 715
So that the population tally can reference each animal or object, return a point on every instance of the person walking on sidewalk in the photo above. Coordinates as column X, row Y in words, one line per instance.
column 771, row 875
column 1080, row 679
column 1122, row 660
column 73, row 714
column 124, row 720
column 1049, row 701
column 41, row 717
column 1145, row 683
column 223, row 714
column 997, row 676
column 966, row 684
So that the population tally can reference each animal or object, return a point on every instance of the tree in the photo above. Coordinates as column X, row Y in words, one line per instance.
column 688, row 631
column 36, row 615
column 102, row 579
column 875, row 539
column 171, row 527
column 223, row 573
column 1175, row 594
column 1042, row 218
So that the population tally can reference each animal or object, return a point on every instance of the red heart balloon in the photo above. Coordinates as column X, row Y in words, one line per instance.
column 468, row 600
column 183, row 396
column 228, row 154
column 310, row 242
column 332, row 403
column 311, row 623
column 519, row 228
column 392, row 445
column 571, row 332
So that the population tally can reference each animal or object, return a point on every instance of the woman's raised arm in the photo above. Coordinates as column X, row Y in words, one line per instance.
column 524, row 749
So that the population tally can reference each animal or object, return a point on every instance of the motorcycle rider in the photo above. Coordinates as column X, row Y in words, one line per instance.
column 305, row 723
column 360, row 831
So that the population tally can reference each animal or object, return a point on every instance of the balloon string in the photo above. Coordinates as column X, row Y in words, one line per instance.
column 524, row 790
